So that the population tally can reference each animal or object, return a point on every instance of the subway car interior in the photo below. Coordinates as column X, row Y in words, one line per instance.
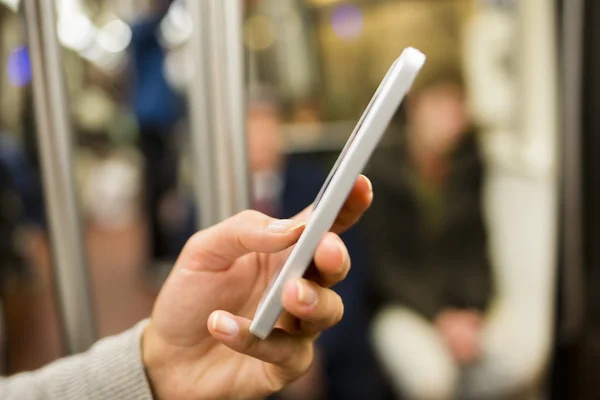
column 126, row 126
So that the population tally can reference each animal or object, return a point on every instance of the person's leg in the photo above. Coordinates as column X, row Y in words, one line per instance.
column 152, row 148
column 503, row 371
column 413, row 355
column 174, row 207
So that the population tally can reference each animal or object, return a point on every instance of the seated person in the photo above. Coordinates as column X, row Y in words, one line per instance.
column 282, row 187
column 432, row 280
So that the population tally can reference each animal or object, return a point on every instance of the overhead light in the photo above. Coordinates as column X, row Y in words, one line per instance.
column 19, row 67
column 100, row 57
column 76, row 31
column 115, row 36
column 176, row 27
column 347, row 21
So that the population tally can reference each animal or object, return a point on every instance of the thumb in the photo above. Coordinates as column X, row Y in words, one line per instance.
column 217, row 247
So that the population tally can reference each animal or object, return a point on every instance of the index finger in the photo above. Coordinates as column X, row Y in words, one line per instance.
column 356, row 204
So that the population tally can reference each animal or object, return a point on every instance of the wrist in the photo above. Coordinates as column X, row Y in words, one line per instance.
column 154, row 364
column 170, row 369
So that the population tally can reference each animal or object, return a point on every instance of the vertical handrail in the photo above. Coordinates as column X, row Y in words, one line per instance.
column 572, row 173
column 217, row 96
column 217, row 91
column 234, row 36
column 55, row 147
column 201, row 139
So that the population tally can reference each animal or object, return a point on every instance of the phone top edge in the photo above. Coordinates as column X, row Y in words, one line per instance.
column 414, row 57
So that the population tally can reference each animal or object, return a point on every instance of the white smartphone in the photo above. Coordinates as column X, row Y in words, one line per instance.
column 339, row 183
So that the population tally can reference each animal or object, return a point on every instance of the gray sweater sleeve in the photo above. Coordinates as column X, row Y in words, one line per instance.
column 112, row 369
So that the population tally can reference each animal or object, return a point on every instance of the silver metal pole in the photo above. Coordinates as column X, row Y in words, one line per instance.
column 199, row 110
column 54, row 137
column 217, row 104
column 234, row 37
column 218, row 92
column 572, row 259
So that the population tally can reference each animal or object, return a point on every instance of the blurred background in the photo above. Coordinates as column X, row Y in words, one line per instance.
column 473, row 273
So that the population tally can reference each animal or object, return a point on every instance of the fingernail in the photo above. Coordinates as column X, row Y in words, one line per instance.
column 225, row 325
column 284, row 225
column 306, row 294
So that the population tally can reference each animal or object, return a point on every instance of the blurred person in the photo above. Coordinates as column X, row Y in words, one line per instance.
column 18, row 203
column 109, row 175
column 197, row 343
column 17, row 153
column 345, row 365
column 13, row 260
column 32, row 192
column 432, row 279
column 157, row 107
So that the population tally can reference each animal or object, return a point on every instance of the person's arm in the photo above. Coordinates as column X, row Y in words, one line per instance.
column 111, row 369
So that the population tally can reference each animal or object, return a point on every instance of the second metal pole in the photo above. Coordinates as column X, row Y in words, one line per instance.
column 217, row 109
column 199, row 112
column 55, row 147
column 234, row 56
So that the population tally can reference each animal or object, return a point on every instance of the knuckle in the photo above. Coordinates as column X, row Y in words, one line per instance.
column 248, row 215
column 196, row 239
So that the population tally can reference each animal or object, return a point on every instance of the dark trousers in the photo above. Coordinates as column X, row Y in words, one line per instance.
column 160, row 171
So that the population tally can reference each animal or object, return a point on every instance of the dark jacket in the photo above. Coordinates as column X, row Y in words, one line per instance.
column 349, row 363
column 156, row 104
column 433, row 271
column 12, row 261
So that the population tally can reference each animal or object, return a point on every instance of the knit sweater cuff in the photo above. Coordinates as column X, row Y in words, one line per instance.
column 116, row 370
column 111, row 369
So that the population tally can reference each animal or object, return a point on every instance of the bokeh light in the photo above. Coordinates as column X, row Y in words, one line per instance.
column 19, row 67
column 347, row 21
column 76, row 31
column 259, row 32
column 114, row 36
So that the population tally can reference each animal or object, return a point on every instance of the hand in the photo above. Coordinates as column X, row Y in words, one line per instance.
column 191, row 351
column 461, row 330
